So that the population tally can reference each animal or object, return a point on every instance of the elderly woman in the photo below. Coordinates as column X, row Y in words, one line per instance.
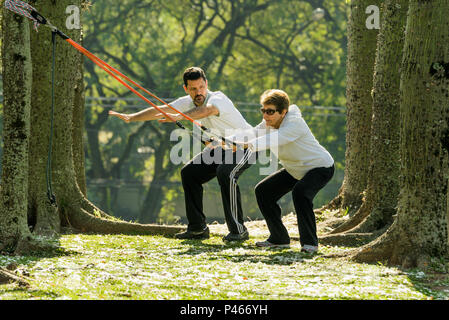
column 307, row 168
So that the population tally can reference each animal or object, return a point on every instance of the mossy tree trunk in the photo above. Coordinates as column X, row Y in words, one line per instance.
column 17, row 77
column 380, row 197
column 43, row 216
column 360, row 66
column 420, row 229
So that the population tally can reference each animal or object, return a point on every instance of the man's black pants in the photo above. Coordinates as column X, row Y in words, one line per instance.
column 227, row 166
column 273, row 187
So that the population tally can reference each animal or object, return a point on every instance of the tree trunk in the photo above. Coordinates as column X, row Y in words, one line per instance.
column 78, row 125
column 17, row 77
column 420, row 229
column 380, row 196
column 360, row 66
column 43, row 216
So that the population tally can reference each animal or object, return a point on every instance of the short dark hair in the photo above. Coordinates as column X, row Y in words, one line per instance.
column 193, row 73
column 277, row 98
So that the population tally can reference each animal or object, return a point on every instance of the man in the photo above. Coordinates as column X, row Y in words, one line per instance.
column 307, row 168
column 217, row 113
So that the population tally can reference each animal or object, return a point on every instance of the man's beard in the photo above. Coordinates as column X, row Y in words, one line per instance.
column 199, row 99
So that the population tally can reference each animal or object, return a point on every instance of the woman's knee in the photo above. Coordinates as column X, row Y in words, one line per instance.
column 261, row 191
column 302, row 192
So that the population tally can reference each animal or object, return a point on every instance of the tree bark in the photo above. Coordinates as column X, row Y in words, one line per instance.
column 360, row 66
column 17, row 77
column 420, row 229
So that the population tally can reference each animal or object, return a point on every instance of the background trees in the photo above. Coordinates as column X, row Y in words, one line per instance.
column 382, row 188
column 243, row 46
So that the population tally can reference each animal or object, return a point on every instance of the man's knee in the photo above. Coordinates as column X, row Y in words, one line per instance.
column 224, row 173
column 187, row 172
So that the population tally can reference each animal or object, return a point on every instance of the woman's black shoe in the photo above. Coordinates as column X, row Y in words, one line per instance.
column 189, row 234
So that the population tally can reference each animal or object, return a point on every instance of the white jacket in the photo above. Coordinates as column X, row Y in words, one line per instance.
column 226, row 122
column 293, row 143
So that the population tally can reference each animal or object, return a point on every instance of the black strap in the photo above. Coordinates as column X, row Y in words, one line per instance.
column 50, row 195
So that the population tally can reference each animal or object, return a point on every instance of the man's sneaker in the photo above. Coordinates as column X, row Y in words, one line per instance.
column 309, row 249
column 268, row 244
column 189, row 234
column 236, row 236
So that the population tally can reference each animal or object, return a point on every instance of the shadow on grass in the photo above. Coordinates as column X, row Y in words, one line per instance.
column 34, row 256
column 432, row 281
column 19, row 264
column 253, row 254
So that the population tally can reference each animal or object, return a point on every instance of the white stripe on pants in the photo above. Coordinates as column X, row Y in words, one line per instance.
column 233, row 189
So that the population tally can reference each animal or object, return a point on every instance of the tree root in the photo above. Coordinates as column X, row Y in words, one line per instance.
column 387, row 249
column 345, row 254
column 87, row 222
column 356, row 219
column 372, row 224
column 332, row 223
column 332, row 205
column 391, row 249
column 90, row 207
column 378, row 250
column 348, row 239
column 81, row 214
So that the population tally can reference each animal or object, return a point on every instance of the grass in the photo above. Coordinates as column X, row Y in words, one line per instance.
column 155, row 267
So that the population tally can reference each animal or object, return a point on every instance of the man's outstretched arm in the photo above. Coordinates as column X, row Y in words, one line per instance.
column 144, row 115
column 195, row 113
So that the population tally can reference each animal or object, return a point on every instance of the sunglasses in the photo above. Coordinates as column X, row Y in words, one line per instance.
column 270, row 112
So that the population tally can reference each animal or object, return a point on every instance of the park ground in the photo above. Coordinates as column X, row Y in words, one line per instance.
column 113, row 267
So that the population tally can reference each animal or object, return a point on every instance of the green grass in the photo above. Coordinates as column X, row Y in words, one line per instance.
column 154, row 267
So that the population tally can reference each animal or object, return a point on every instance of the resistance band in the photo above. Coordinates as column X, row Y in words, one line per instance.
column 28, row 11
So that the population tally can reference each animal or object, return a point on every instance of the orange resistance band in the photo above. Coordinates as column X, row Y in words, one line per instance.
column 112, row 70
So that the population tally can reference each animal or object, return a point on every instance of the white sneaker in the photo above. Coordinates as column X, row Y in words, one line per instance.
column 309, row 249
column 268, row 244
